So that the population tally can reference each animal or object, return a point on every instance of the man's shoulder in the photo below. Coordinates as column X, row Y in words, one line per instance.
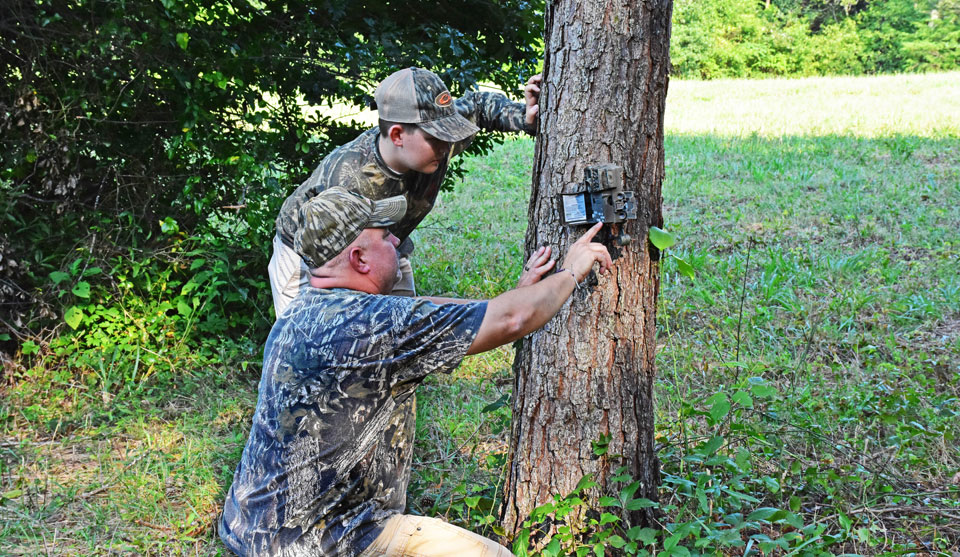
column 318, row 304
column 320, row 307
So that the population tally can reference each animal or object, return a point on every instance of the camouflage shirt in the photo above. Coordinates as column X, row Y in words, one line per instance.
column 329, row 453
column 358, row 166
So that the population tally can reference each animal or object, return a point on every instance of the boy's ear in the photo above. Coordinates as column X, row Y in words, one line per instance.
column 395, row 133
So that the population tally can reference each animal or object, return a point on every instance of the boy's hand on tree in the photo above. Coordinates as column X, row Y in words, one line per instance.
column 531, row 95
column 537, row 266
column 583, row 254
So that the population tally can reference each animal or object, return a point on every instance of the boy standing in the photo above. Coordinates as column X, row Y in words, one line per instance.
column 421, row 127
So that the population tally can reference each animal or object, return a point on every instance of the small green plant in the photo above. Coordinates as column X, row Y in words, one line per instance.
column 664, row 240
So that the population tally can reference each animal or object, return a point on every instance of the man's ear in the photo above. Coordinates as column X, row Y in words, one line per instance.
column 395, row 133
column 358, row 261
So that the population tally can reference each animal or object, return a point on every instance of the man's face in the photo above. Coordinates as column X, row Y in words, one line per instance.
column 380, row 250
column 423, row 152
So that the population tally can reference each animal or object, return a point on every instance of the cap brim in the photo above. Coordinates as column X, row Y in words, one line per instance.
column 451, row 129
column 387, row 212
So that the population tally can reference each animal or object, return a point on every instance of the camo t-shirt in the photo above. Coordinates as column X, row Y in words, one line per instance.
column 329, row 453
column 358, row 166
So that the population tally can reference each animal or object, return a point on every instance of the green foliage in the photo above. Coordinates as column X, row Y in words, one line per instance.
column 740, row 38
column 195, row 110
column 662, row 240
column 160, row 310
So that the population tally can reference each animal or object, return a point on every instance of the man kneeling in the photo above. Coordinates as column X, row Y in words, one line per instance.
column 326, row 467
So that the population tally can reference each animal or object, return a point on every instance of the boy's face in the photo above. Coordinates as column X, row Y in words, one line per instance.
column 422, row 152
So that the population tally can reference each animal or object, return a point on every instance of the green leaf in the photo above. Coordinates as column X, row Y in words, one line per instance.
column 169, row 226
column 640, row 503
column 607, row 501
column 13, row 494
column 183, row 308
column 197, row 263
column 763, row 513
column 81, row 289
column 607, row 518
column 720, row 408
column 743, row 399
column 472, row 501
column 182, row 40
column 771, row 484
column 741, row 496
column 73, row 316
column 794, row 520
column 713, row 445
column 521, row 542
column 585, row 482
column 685, row 268
column 616, row 541
column 763, row 391
column 794, row 503
column 29, row 347
column 646, row 536
column 92, row 271
column 499, row 403
column 671, row 542
column 661, row 238
column 58, row 276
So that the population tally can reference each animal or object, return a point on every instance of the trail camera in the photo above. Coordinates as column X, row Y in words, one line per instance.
column 601, row 198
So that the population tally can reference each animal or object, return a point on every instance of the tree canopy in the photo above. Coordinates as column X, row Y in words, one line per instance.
column 120, row 114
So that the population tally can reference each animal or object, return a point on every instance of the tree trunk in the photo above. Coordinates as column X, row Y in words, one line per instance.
column 590, row 371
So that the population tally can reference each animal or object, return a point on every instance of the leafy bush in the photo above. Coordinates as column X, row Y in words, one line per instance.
column 118, row 115
column 738, row 38
column 135, row 322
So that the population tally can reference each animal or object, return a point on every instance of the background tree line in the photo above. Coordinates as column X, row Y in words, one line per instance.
column 749, row 38
column 145, row 146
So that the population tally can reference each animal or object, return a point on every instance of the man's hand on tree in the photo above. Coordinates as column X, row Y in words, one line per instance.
column 537, row 266
column 531, row 95
column 583, row 254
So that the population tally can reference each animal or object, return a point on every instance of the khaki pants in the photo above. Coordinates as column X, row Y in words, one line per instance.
column 406, row 535
column 288, row 274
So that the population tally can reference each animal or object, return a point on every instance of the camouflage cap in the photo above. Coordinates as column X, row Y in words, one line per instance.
column 332, row 220
column 418, row 96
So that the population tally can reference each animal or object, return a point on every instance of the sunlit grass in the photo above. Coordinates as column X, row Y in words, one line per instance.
column 921, row 105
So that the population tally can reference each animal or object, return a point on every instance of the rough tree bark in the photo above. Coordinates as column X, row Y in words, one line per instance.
column 590, row 371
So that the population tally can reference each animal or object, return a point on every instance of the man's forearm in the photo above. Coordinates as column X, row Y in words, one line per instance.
column 440, row 300
column 518, row 312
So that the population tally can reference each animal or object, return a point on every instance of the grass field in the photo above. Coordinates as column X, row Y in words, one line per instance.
column 819, row 341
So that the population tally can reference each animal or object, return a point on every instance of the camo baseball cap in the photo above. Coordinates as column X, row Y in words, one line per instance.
column 332, row 220
column 418, row 96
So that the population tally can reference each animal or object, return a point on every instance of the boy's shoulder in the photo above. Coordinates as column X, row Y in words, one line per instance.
column 362, row 147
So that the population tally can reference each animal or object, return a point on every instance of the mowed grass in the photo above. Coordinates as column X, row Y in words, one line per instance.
column 821, row 217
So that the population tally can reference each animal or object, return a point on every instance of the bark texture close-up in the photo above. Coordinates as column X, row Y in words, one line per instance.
column 589, row 372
